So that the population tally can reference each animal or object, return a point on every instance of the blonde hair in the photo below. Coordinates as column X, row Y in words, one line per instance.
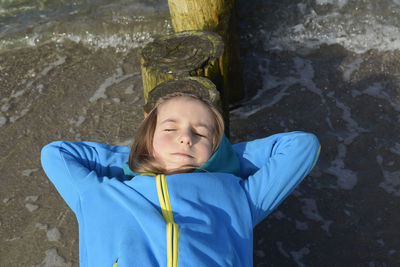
column 141, row 156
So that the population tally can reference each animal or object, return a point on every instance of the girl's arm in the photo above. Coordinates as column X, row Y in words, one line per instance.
column 75, row 166
column 275, row 166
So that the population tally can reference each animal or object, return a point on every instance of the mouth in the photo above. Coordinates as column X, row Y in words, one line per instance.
column 185, row 155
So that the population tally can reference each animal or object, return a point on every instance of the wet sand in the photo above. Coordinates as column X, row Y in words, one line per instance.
column 344, row 213
column 66, row 99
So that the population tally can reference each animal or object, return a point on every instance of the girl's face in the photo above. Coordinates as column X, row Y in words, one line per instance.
column 183, row 134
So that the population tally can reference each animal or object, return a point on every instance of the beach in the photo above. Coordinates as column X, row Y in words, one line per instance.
column 71, row 71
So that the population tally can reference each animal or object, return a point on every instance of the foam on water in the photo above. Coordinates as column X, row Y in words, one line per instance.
column 115, row 79
column 17, row 96
column 53, row 235
column 303, row 226
column 377, row 90
column 53, row 259
column 299, row 254
column 260, row 253
column 356, row 31
column 357, row 25
column 279, row 244
column 352, row 125
column 31, row 207
column 31, row 198
column 346, row 178
column 391, row 179
column 338, row 3
column 310, row 210
column 22, row 113
column 3, row 120
column 391, row 183
column 12, row 239
column 28, row 172
column 121, row 42
column 302, row 74
column 60, row 60
column 380, row 242
column 396, row 149
column 351, row 67
column 98, row 24
column 77, row 122
column 129, row 89
column 41, row 226
column 296, row 255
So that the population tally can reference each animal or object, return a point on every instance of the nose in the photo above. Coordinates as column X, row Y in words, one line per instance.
column 185, row 138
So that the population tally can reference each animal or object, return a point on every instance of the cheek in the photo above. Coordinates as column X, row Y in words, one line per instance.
column 205, row 152
column 160, row 144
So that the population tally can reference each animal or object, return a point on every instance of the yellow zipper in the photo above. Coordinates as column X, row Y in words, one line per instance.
column 172, row 227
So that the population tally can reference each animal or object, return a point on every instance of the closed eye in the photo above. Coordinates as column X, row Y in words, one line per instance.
column 199, row 134
column 169, row 130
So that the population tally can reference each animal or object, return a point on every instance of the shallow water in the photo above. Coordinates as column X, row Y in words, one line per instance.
column 70, row 70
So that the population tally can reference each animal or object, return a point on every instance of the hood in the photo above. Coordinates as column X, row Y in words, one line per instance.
column 224, row 160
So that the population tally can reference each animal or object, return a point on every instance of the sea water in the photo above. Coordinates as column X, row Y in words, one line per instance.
column 71, row 70
column 98, row 24
column 357, row 25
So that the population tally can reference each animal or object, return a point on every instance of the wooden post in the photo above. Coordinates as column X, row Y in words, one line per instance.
column 190, row 53
column 216, row 16
column 199, row 86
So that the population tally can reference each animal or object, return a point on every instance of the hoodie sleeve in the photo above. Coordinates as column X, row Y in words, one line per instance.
column 275, row 166
column 74, row 166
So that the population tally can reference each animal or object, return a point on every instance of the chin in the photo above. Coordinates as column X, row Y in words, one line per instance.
column 182, row 167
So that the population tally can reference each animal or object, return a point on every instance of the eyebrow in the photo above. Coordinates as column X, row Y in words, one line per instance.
column 196, row 125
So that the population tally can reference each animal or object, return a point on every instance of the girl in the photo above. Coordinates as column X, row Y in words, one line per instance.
column 182, row 194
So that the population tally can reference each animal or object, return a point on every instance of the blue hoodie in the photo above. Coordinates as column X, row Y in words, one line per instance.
column 203, row 218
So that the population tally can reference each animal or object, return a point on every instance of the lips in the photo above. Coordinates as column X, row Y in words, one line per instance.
column 181, row 154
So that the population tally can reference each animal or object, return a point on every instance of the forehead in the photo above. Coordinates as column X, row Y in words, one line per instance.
column 184, row 108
